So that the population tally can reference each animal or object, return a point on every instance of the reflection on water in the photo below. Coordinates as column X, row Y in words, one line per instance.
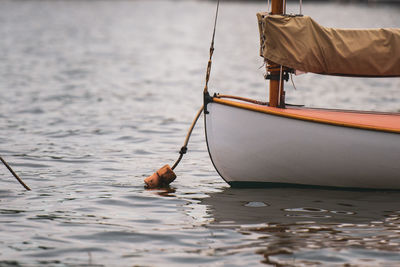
column 298, row 226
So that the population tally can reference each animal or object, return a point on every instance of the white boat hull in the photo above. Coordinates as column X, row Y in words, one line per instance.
column 250, row 148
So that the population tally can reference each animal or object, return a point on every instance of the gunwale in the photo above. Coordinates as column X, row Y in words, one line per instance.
column 367, row 120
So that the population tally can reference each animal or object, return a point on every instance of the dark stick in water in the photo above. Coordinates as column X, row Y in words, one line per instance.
column 15, row 175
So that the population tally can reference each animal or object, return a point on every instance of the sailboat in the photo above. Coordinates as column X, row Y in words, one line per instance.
column 252, row 143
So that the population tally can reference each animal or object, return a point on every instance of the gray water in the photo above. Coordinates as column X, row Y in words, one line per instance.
column 96, row 95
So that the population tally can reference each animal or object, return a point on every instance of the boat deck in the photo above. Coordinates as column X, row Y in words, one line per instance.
column 378, row 121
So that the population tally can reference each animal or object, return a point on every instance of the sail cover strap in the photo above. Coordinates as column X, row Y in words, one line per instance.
column 298, row 42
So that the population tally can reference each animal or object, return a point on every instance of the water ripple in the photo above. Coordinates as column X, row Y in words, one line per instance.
column 97, row 95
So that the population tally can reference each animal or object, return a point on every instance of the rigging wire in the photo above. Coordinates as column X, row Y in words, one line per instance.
column 291, row 78
column 301, row 7
column 211, row 50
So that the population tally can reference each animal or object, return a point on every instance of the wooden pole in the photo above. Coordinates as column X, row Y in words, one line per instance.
column 15, row 175
column 276, row 97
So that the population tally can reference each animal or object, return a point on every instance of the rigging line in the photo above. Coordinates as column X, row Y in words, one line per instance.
column 291, row 78
column 301, row 7
column 211, row 50
column 262, row 65
column 215, row 23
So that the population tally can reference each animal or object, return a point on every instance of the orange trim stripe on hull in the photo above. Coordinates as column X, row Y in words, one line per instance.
column 385, row 122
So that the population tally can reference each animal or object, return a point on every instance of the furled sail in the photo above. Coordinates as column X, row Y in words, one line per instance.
column 298, row 42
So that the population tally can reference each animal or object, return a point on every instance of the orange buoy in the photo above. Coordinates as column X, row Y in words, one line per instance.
column 161, row 178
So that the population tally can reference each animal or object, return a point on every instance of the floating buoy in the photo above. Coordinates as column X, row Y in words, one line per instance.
column 161, row 178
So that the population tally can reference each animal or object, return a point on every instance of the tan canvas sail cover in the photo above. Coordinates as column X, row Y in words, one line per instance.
column 298, row 42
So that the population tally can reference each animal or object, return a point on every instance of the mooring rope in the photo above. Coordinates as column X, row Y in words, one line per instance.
column 184, row 147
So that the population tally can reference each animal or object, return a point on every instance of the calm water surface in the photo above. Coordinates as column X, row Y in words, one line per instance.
column 96, row 95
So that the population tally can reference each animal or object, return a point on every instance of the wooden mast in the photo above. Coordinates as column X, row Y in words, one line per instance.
column 276, row 95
